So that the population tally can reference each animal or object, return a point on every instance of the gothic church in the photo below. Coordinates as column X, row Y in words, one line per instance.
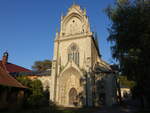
column 79, row 76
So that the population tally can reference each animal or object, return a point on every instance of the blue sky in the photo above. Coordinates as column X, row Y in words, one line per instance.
column 28, row 27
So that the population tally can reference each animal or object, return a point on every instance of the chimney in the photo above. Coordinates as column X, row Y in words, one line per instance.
column 5, row 58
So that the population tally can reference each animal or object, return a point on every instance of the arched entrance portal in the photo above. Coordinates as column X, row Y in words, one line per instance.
column 73, row 96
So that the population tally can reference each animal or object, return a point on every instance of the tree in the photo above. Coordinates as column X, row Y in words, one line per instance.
column 129, row 34
column 35, row 99
column 35, row 96
column 125, row 82
column 42, row 65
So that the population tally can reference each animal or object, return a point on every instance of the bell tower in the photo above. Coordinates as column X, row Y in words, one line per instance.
column 75, row 53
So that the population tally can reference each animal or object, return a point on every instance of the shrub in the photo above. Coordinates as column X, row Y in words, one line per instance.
column 34, row 96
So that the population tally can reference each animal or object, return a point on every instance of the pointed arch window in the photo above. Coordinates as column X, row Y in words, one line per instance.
column 73, row 53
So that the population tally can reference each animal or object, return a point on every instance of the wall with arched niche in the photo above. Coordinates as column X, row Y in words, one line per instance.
column 69, row 79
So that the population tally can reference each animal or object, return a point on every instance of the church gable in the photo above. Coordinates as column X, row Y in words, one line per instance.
column 75, row 9
column 75, row 22
column 73, row 25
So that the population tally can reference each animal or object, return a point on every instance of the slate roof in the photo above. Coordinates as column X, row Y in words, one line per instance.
column 8, row 80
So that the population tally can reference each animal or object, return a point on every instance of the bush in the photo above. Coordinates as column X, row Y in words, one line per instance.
column 34, row 96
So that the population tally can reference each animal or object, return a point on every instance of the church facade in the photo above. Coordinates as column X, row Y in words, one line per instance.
column 79, row 76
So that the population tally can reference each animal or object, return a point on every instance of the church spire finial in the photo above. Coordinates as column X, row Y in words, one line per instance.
column 74, row 3
column 56, row 32
column 62, row 15
column 56, row 29
column 84, row 11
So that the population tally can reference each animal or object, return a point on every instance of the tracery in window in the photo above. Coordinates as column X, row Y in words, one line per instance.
column 73, row 53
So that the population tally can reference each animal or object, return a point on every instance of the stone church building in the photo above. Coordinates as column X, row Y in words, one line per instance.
column 79, row 76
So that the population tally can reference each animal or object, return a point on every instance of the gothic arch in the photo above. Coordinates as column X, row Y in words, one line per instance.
column 71, row 24
column 69, row 17
column 72, row 96
column 73, row 47
column 71, row 70
column 69, row 79
column 73, row 53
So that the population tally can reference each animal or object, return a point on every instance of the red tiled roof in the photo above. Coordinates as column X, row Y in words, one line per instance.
column 13, row 68
column 8, row 80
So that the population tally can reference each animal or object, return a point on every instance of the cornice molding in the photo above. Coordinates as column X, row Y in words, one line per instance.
column 73, row 37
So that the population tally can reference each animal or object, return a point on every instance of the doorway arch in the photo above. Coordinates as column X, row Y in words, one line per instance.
column 72, row 96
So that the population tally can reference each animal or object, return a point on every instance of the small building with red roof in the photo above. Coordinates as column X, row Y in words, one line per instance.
column 9, row 67
column 11, row 90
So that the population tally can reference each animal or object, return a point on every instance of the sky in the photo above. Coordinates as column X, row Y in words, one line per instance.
column 28, row 27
